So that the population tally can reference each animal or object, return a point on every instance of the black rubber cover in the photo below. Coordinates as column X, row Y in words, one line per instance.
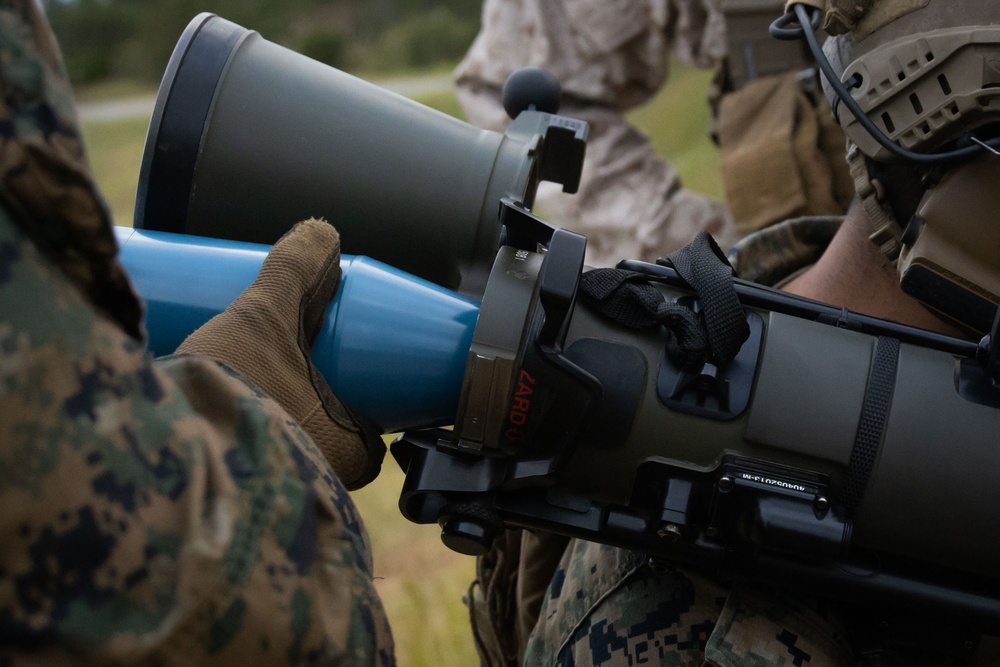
column 175, row 130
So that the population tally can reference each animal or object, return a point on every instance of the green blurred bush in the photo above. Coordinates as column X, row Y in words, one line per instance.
column 326, row 47
column 133, row 39
column 427, row 38
column 93, row 32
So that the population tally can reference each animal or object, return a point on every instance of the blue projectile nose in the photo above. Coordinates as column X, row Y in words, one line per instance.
column 393, row 347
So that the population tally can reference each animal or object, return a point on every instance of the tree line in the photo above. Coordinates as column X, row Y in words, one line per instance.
column 133, row 39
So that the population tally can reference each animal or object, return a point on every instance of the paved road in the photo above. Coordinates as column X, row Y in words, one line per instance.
column 142, row 107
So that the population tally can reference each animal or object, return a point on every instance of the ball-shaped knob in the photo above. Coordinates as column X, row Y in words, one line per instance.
column 531, row 88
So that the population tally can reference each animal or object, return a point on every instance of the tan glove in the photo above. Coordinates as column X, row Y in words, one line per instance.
column 267, row 333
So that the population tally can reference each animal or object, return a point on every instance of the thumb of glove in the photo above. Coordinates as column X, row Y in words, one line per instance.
column 267, row 333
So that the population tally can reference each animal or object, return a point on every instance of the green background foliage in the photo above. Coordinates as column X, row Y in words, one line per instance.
column 134, row 38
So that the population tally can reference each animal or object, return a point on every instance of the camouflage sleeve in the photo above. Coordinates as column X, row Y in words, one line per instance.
column 698, row 28
column 611, row 607
column 614, row 53
column 152, row 513
column 609, row 52
column 45, row 181
column 775, row 254
column 160, row 513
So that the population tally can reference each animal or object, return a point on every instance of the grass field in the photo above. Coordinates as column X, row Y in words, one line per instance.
column 420, row 581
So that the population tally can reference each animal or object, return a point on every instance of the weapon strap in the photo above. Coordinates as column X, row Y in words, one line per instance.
column 714, row 334
column 871, row 427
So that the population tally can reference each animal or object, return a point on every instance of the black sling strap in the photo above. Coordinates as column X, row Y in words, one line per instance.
column 713, row 334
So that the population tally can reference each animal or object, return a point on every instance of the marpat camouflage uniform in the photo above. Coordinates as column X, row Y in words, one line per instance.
column 610, row 56
column 608, row 606
column 153, row 512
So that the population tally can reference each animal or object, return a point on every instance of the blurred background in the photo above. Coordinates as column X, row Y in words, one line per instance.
column 132, row 39
column 116, row 51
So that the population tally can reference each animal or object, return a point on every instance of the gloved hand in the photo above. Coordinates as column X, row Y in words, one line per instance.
column 267, row 333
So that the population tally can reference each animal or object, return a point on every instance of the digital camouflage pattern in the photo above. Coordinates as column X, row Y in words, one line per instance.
column 611, row 607
column 607, row 606
column 153, row 512
column 45, row 182
column 775, row 255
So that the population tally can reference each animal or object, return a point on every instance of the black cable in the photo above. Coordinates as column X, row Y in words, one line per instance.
column 807, row 29
column 779, row 29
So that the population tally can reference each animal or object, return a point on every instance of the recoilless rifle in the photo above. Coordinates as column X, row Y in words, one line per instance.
column 667, row 408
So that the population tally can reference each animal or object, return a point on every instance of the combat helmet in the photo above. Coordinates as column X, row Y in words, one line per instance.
column 916, row 86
